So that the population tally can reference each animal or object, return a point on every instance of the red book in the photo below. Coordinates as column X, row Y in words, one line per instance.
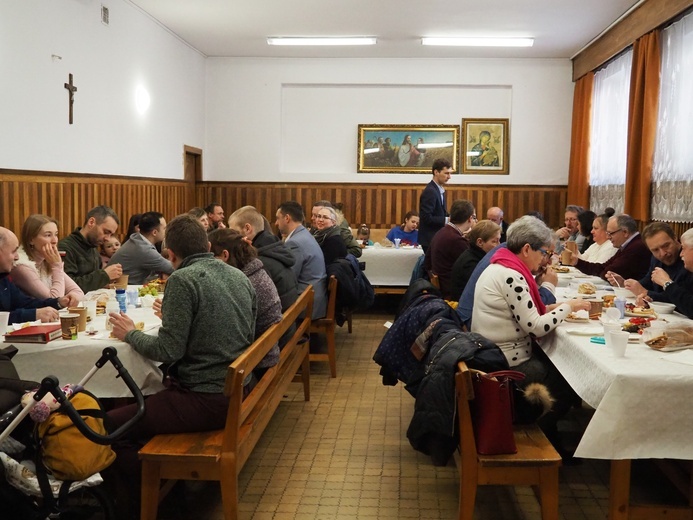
column 35, row 334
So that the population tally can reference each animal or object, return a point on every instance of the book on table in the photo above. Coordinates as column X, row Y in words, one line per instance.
column 35, row 334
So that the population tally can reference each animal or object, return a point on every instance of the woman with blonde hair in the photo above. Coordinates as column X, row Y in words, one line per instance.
column 39, row 270
column 484, row 236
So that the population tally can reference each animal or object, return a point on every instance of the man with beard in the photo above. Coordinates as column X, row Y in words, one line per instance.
column 661, row 240
column 82, row 260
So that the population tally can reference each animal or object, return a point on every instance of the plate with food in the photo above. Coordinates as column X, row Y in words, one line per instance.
column 574, row 317
column 639, row 312
column 561, row 269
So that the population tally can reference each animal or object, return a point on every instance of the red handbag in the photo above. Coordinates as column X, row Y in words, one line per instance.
column 493, row 411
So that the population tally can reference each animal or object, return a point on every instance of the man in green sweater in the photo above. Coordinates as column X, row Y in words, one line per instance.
column 82, row 260
column 207, row 321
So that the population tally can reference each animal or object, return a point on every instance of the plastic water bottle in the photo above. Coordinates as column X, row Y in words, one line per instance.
column 122, row 300
column 620, row 304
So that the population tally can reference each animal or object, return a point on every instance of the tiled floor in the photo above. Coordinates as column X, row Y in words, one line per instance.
column 344, row 455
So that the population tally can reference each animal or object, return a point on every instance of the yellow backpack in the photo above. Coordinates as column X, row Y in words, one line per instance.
column 64, row 451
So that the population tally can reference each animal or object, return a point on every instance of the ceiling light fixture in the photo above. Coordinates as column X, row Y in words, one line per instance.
column 322, row 41
column 479, row 42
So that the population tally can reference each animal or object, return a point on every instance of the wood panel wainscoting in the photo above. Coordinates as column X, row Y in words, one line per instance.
column 383, row 205
column 67, row 197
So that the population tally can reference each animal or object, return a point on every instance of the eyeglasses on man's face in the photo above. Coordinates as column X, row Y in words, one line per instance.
column 612, row 233
column 545, row 252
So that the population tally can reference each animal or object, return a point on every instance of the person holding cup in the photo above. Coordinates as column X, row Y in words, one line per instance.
column 82, row 261
column 39, row 270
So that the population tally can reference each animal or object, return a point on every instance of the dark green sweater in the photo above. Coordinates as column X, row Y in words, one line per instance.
column 82, row 262
column 208, row 320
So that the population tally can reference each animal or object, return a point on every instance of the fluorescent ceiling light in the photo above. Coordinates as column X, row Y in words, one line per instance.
column 479, row 42
column 322, row 41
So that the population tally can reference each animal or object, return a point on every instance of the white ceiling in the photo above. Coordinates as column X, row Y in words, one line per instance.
column 240, row 28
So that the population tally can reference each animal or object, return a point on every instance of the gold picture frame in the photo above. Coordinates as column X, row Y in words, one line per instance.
column 405, row 148
column 485, row 147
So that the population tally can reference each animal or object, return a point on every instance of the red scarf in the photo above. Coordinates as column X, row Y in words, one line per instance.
column 510, row 260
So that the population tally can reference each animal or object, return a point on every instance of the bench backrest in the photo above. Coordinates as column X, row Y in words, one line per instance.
column 241, row 409
column 465, row 393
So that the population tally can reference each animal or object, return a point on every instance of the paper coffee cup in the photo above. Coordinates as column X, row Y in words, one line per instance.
column 596, row 307
column 122, row 282
column 69, row 323
column 571, row 245
column 566, row 257
column 82, row 313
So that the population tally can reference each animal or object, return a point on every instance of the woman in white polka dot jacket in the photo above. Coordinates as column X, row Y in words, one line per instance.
column 509, row 311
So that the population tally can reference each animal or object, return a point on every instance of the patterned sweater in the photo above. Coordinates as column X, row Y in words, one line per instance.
column 208, row 320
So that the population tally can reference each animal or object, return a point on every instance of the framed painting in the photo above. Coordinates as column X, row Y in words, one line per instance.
column 485, row 146
column 406, row 148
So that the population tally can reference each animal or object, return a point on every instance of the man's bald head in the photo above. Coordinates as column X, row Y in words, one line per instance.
column 8, row 250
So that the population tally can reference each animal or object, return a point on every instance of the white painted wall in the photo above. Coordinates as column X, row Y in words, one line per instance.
column 108, row 136
column 289, row 120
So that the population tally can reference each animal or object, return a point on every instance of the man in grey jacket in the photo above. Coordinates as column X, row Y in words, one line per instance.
column 310, row 262
column 208, row 320
column 138, row 256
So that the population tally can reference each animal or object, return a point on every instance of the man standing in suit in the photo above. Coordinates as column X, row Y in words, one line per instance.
column 433, row 212
column 310, row 262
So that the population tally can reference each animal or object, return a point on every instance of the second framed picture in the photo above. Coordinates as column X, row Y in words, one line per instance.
column 485, row 148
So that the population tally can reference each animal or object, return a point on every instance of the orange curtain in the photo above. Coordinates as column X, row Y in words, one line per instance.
column 642, row 125
column 579, row 171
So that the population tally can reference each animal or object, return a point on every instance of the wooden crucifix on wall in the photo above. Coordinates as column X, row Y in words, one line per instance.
column 71, row 89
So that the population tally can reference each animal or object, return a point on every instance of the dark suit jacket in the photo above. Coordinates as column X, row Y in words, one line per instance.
column 432, row 213
column 631, row 262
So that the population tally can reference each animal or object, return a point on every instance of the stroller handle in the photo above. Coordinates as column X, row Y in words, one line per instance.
column 50, row 384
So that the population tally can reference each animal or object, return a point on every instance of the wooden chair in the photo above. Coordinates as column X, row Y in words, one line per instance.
column 536, row 462
column 435, row 281
column 326, row 326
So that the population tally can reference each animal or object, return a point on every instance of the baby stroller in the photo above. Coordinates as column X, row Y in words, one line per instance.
column 27, row 490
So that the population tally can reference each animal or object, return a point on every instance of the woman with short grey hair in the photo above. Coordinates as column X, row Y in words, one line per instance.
column 509, row 311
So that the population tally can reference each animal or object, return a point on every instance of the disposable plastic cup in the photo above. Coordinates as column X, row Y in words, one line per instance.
column 4, row 320
column 608, row 328
column 397, row 241
column 619, row 342
column 90, row 305
column 132, row 295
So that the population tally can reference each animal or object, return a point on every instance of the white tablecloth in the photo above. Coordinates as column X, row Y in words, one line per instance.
column 643, row 402
column 387, row 266
column 70, row 360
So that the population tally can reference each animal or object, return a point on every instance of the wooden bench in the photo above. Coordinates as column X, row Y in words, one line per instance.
column 536, row 462
column 220, row 455
column 326, row 326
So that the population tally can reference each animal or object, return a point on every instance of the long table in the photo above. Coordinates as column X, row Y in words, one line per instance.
column 70, row 360
column 388, row 269
column 643, row 406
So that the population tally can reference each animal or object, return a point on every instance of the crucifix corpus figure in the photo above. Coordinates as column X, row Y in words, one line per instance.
column 71, row 89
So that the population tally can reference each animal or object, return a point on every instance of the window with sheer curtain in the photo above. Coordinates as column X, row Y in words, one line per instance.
column 609, row 134
column 672, row 172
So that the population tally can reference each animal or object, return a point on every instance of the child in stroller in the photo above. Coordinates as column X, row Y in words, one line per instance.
column 27, row 490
